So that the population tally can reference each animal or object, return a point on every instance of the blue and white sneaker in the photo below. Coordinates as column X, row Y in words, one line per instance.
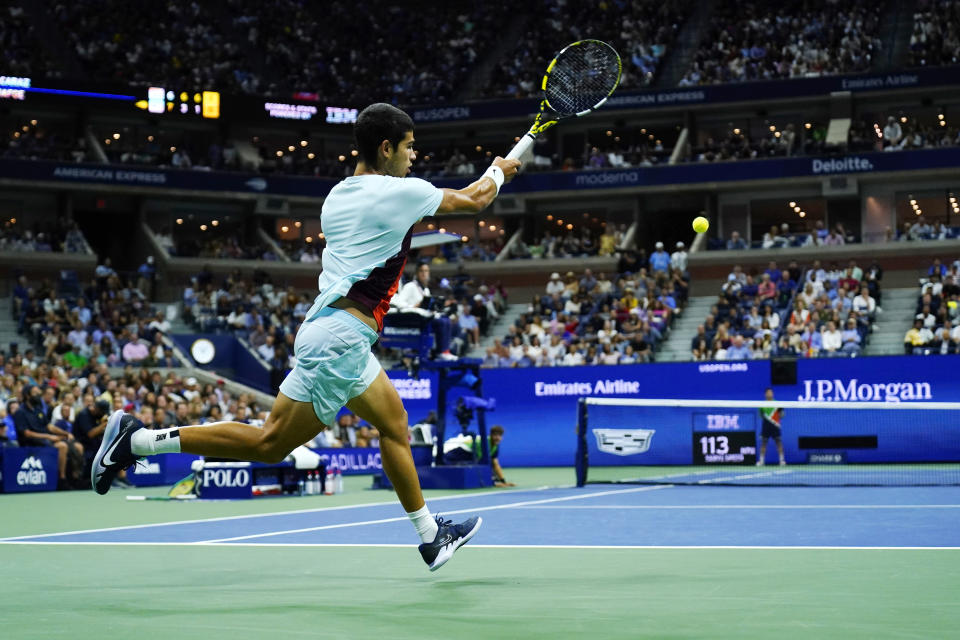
column 114, row 453
column 450, row 537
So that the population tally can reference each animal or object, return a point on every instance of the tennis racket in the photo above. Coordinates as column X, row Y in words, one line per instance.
column 578, row 80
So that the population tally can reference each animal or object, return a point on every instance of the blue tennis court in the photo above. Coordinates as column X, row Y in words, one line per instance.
column 645, row 516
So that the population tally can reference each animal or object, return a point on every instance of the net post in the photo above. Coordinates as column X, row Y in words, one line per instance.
column 581, row 462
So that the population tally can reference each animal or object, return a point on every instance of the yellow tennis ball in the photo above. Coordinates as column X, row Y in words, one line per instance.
column 700, row 224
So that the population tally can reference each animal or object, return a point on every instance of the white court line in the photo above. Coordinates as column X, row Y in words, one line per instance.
column 746, row 476
column 377, row 545
column 472, row 510
column 486, row 492
column 749, row 506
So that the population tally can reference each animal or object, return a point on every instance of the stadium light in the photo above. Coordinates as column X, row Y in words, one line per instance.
column 773, row 127
column 309, row 239
column 149, row 138
column 291, row 148
column 442, row 230
column 279, row 153
column 493, row 227
column 215, row 222
column 609, row 133
column 797, row 209
column 736, row 132
column 116, row 136
column 569, row 227
column 179, row 220
column 550, row 217
column 940, row 116
column 303, row 143
column 298, row 224
column 341, row 158
column 807, row 125
column 107, row 141
column 173, row 149
column 903, row 119
column 311, row 156
column 464, row 239
column 33, row 122
column 203, row 227
column 793, row 204
column 913, row 202
column 482, row 223
column 803, row 214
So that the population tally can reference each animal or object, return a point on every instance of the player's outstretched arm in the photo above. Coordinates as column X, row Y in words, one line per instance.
column 477, row 196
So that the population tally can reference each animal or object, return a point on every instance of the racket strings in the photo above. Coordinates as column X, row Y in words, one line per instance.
column 583, row 76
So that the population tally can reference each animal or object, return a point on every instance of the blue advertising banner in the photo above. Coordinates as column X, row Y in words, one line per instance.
column 711, row 172
column 352, row 461
column 707, row 94
column 538, row 407
column 119, row 175
column 167, row 469
column 29, row 469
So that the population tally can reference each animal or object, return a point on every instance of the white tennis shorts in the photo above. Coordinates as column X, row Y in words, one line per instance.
column 334, row 362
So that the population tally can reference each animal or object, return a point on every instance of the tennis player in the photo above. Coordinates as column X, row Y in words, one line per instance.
column 771, row 428
column 368, row 221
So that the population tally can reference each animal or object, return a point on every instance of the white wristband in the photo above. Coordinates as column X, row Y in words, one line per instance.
column 495, row 173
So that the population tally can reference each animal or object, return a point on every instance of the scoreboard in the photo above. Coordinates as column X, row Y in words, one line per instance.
column 172, row 101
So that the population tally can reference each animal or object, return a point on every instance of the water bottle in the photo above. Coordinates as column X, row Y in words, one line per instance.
column 338, row 479
column 315, row 484
column 301, row 485
column 328, row 487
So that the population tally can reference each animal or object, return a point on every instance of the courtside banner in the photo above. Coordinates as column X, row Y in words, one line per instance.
column 29, row 469
column 538, row 406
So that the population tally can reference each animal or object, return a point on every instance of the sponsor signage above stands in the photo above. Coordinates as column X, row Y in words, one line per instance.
column 538, row 407
column 690, row 174
column 708, row 94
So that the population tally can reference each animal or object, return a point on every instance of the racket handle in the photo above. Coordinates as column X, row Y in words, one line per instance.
column 521, row 147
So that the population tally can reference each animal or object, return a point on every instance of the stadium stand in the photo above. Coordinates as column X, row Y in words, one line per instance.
column 757, row 41
column 935, row 39
column 936, row 325
column 646, row 30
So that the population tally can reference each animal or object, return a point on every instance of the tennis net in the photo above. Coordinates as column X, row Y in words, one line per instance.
column 702, row 442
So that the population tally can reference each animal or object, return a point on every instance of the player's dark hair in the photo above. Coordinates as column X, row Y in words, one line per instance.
column 377, row 123
column 496, row 430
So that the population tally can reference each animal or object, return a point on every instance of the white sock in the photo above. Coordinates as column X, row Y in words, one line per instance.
column 146, row 442
column 424, row 523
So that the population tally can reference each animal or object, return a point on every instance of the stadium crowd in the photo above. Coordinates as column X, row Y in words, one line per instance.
column 110, row 321
column 791, row 312
column 591, row 319
column 936, row 327
column 935, row 40
column 603, row 239
column 42, row 236
column 28, row 140
column 799, row 38
column 74, row 401
column 183, row 46
column 645, row 30
column 903, row 134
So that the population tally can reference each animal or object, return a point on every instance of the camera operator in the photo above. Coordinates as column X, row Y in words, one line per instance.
column 415, row 297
